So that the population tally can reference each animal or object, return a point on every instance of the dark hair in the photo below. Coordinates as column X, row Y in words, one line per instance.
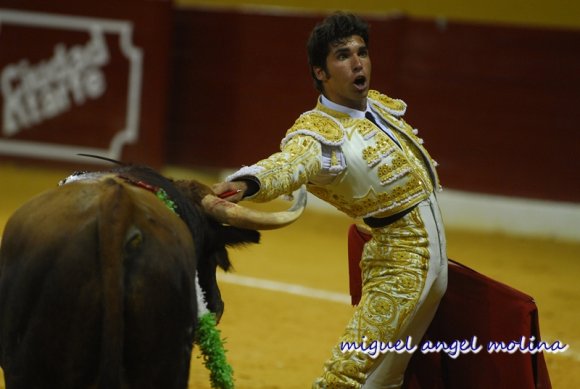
column 334, row 29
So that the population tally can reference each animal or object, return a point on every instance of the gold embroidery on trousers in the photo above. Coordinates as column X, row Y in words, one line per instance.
column 394, row 268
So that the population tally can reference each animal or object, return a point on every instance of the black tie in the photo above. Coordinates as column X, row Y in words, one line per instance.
column 371, row 117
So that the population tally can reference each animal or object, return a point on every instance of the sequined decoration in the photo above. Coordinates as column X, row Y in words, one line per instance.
column 319, row 125
column 394, row 269
column 286, row 171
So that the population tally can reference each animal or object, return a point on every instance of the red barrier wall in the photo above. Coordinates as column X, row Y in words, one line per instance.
column 496, row 105
column 84, row 77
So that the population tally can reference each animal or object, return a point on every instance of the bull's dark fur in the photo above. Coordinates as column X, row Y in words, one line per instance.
column 97, row 289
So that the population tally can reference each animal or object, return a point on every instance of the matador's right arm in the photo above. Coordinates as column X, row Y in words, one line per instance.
column 281, row 173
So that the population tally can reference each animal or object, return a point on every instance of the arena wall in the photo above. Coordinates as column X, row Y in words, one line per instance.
column 496, row 104
column 493, row 89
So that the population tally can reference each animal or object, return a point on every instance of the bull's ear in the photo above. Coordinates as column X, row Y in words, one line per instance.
column 234, row 236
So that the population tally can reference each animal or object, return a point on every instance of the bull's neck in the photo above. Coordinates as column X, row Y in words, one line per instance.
column 160, row 193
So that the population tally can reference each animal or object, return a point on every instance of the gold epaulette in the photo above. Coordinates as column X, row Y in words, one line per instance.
column 323, row 127
column 395, row 107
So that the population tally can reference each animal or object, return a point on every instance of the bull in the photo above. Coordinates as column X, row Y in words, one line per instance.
column 98, row 278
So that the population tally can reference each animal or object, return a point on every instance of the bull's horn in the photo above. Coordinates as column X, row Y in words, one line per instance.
column 242, row 217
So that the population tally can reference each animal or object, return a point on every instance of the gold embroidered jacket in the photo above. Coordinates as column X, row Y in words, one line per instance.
column 350, row 162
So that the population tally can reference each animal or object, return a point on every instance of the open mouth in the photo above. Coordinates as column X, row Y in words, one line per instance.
column 360, row 81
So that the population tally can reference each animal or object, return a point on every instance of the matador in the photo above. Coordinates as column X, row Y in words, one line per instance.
column 355, row 151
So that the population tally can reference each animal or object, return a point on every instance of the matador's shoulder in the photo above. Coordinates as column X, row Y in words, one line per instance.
column 387, row 104
column 320, row 125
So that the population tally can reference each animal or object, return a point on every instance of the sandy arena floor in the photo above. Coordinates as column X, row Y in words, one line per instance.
column 279, row 333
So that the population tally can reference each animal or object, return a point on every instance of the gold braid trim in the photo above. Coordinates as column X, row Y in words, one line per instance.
column 395, row 107
column 391, row 110
column 285, row 171
column 394, row 268
column 321, row 126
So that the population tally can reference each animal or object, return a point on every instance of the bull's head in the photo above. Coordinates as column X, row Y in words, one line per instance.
column 229, row 225
column 215, row 224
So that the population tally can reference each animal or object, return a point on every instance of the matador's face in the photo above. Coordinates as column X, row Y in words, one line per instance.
column 347, row 76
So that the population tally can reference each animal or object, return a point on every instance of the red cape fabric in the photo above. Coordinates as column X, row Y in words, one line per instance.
column 473, row 306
